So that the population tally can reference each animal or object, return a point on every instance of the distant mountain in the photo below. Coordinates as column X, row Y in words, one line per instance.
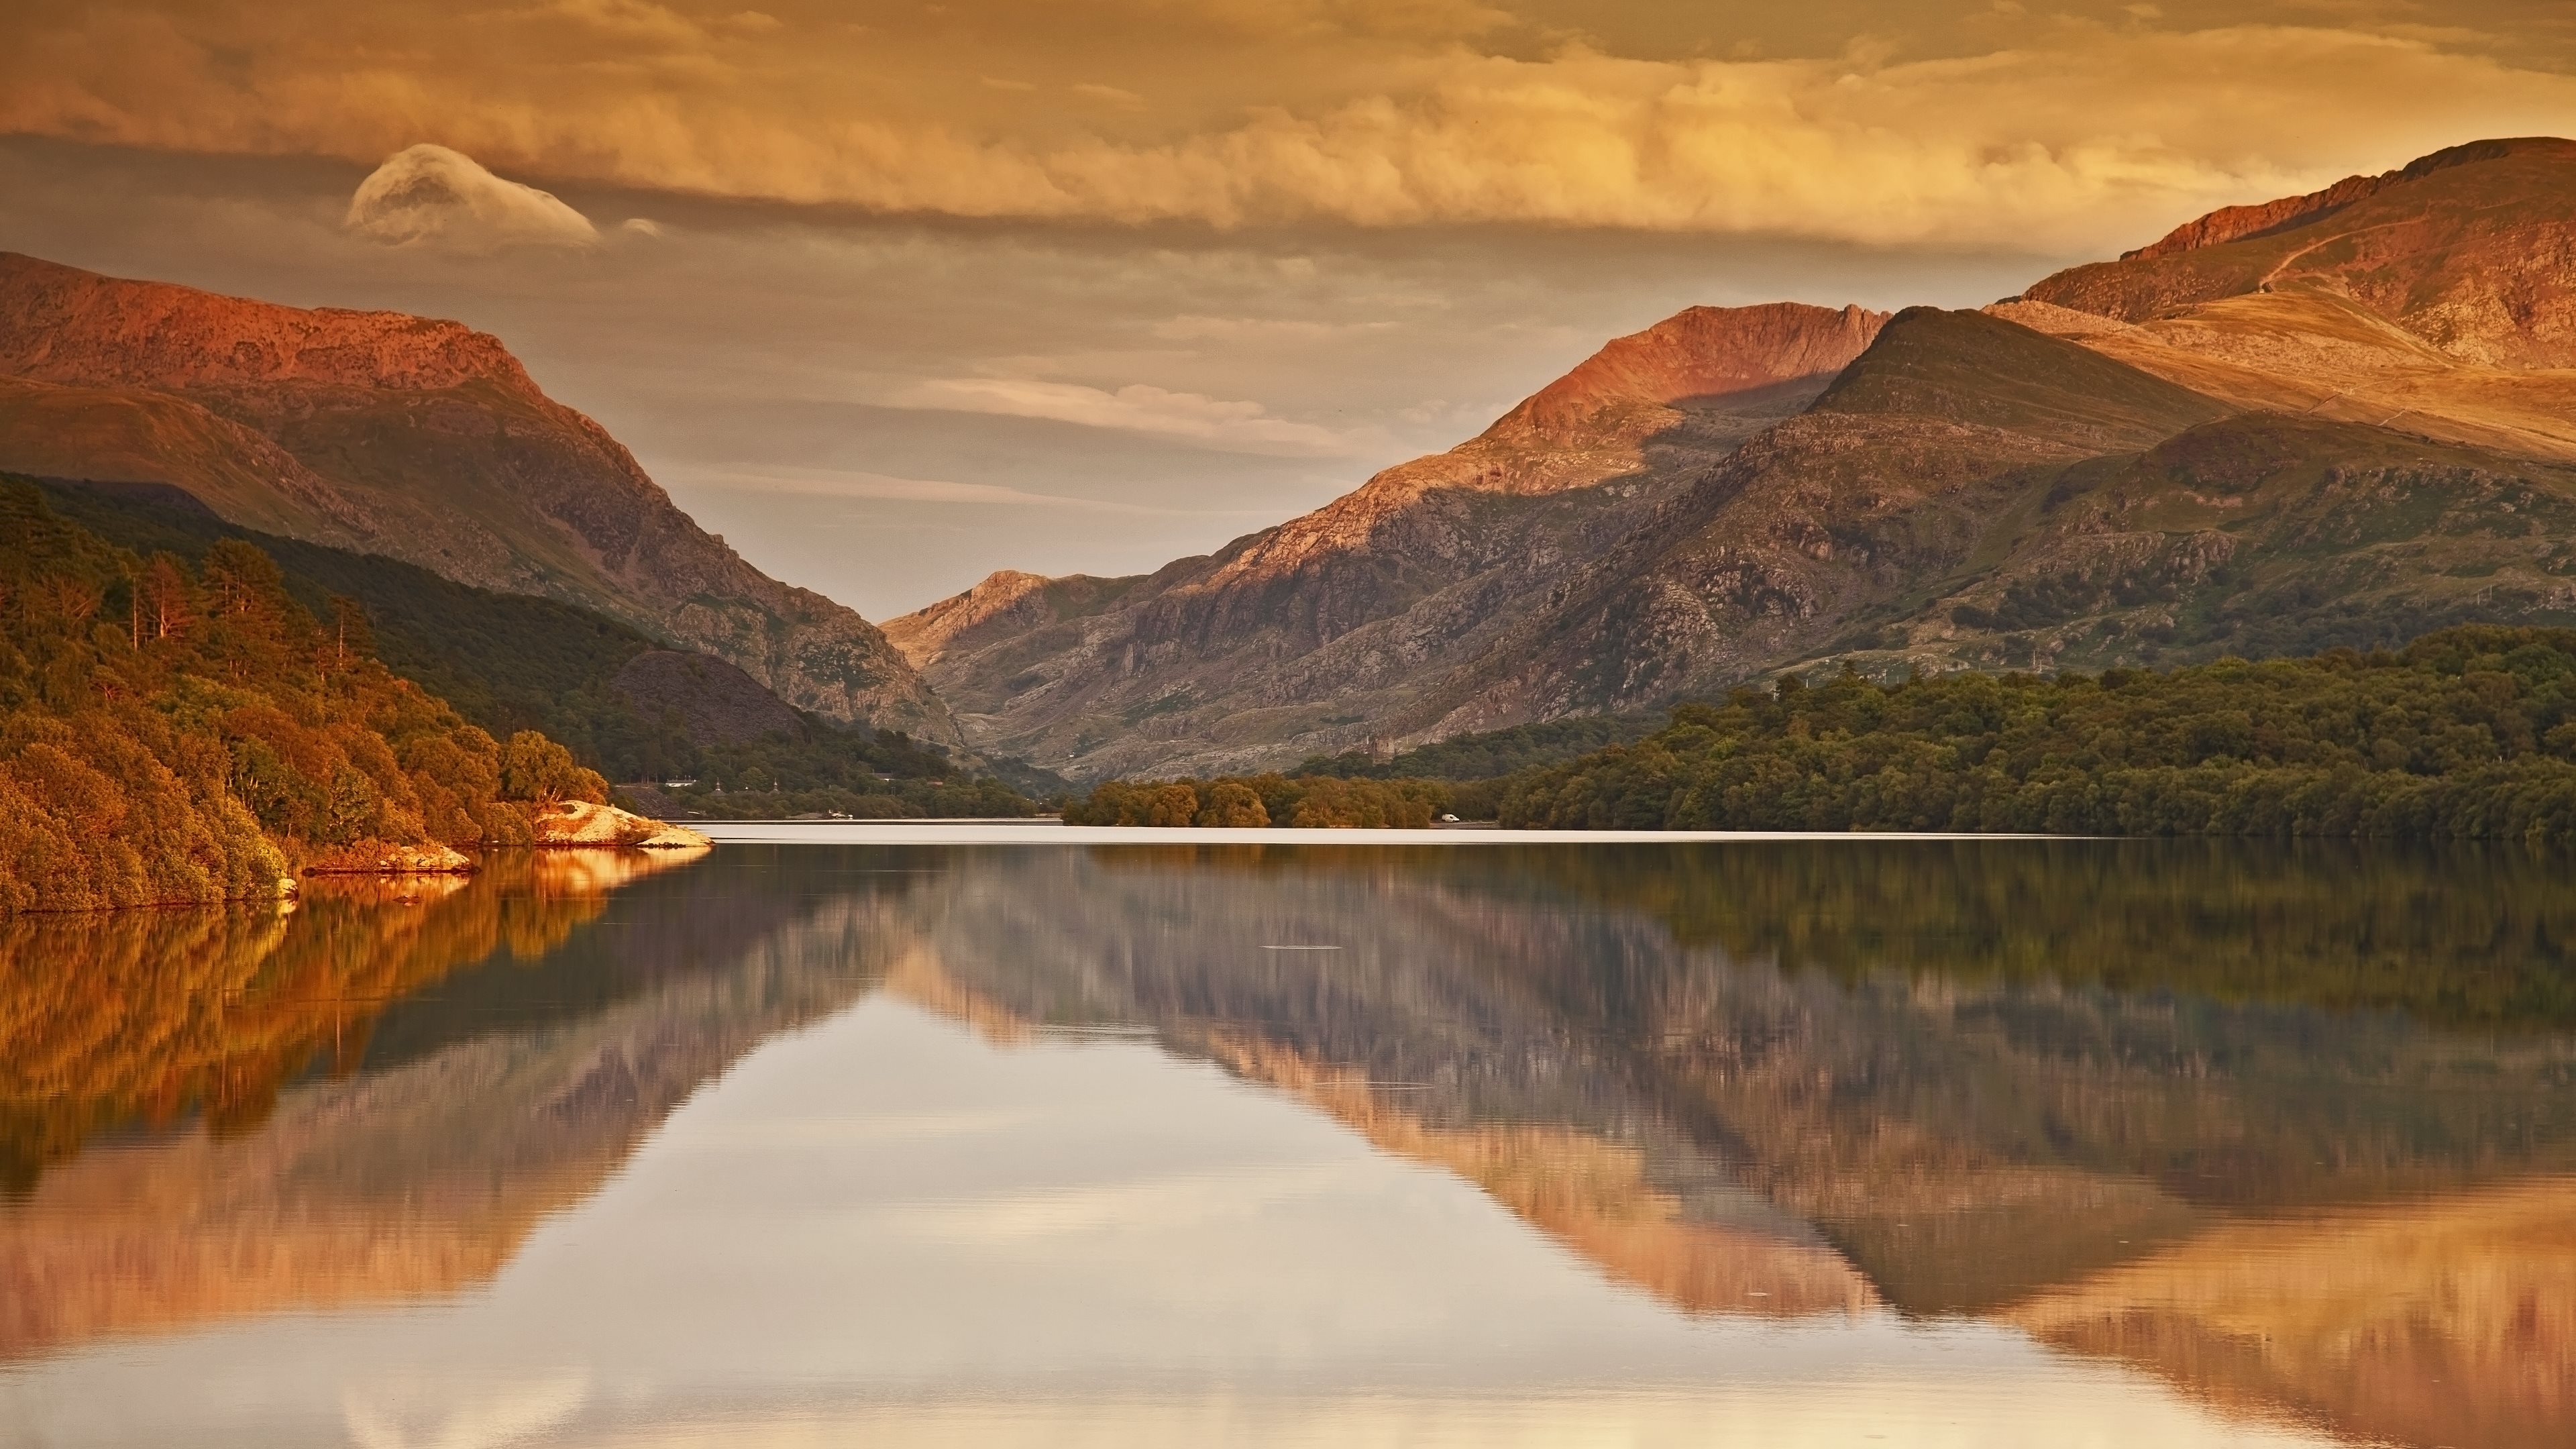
column 2471, row 249
column 418, row 439
column 2341, row 418
column 1314, row 635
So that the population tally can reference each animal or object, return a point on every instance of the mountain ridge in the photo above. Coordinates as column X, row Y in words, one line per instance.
column 420, row 439
column 1304, row 632
column 2342, row 417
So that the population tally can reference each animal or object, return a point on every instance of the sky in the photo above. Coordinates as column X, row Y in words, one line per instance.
column 896, row 294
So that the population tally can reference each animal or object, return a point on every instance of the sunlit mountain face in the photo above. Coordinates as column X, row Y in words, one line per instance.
column 894, row 295
column 2208, row 1144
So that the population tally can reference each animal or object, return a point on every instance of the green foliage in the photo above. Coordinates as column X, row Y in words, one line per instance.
column 881, row 775
column 2465, row 734
column 1304, row 801
column 512, row 663
column 1487, row 754
column 170, row 735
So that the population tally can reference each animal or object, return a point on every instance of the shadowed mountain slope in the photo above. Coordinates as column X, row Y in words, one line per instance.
column 418, row 439
column 508, row 662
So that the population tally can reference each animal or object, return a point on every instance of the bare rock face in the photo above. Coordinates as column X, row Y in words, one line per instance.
column 423, row 440
column 581, row 823
column 1311, row 635
column 1698, row 353
column 924, row 634
column 2471, row 249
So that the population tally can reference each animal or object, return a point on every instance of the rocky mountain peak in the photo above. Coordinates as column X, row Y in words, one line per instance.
column 63, row 325
column 924, row 633
column 2468, row 249
column 2237, row 223
column 1699, row 352
column 420, row 439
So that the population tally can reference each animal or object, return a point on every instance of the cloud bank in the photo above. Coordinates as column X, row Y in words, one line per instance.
column 429, row 195
column 2043, row 133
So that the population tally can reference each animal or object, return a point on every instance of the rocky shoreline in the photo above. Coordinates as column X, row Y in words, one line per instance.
column 568, row 825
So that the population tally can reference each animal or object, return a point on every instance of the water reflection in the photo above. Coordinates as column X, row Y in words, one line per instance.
column 2292, row 1132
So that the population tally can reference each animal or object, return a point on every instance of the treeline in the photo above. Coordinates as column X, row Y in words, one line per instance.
column 175, row 734
column 979, row 796
column 1258, row 800
column 512, row 662
column 1488, row 754
column 2469, row 733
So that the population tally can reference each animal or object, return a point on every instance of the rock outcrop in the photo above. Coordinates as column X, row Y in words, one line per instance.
column 581, row 823
column 419, row 439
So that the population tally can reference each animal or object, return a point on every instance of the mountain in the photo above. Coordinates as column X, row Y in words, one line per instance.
column 1310, row 636
column 2077, row 1087
column 417, row 439
column 2471, row 249
column 621, row 703
column 2345, row 418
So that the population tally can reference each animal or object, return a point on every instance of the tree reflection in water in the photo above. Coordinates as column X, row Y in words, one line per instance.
column 2293, row 1127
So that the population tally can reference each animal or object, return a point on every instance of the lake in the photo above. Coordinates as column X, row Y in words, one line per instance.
column 976, row 1137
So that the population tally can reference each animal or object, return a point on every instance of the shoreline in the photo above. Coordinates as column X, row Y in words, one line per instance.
column 1052, row 832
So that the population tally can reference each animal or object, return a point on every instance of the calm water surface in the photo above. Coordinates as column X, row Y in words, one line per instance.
column 1835, row 1143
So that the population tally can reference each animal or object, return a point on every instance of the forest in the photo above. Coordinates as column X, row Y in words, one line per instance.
column 2466, row 734
column 1241, row 801
column 513, row 662
column 176, row 733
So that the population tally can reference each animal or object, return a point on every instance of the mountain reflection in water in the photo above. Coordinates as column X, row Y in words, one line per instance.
column 2291, row 1131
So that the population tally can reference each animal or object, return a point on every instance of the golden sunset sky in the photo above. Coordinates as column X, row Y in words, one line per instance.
column 894, row 294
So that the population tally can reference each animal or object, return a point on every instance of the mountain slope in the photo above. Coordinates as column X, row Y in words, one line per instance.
column 2341, row 418
column 2471, row 249
column 418, row 439
column 1304, row 637
column 1931, row 448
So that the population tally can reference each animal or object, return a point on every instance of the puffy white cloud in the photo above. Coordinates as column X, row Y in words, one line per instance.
column 430, row 195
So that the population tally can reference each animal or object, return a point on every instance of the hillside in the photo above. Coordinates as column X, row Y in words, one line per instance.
column 621, row 703
column 2466, row 734
column 2468, row 250
column 1310, row 636
column 180, row 734
column 418, row 439
column 2346, row 418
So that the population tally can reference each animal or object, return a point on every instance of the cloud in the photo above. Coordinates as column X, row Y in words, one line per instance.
column 831, row 483
column 1195, row 327
column 430, row 195
column 2045, row 133
column 1136, row 408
